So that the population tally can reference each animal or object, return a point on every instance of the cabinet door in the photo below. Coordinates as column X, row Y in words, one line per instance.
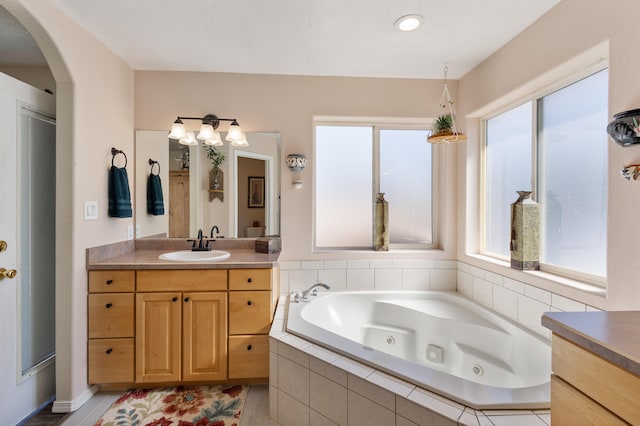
column 158, row 337
column 249, row 357
column 204, row 351
column 250, row 279
column 110, row 281
column 569, row 406
column 110, row 315
column 249, row 312
column 110, row 360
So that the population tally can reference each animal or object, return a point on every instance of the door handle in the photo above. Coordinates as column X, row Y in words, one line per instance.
column 7, row 273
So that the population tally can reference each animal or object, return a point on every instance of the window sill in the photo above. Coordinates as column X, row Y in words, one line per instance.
column 581, row 286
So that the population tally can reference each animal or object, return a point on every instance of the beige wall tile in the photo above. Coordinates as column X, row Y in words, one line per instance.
column 293, row 379
column 328, row 398
column 372, row 391
column 420, row 415
column 329, row 371
column 317, row 419
column 291, row 412
column 363, row 412
column 293, row 354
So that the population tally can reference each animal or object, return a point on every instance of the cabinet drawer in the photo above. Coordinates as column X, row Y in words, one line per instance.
column 248, row 357
column 110, row 360
column 569, row 406
column 111, row 315
column 249, row 312
column 609, row 385
column 111, row 281
column 182, row 280
column 250, row 279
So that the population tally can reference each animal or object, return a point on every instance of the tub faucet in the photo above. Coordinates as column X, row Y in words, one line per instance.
column 214, row 227
column 305, row 296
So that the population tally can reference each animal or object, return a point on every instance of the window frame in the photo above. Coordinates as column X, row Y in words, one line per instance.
column 377, row 124
column 533, row 98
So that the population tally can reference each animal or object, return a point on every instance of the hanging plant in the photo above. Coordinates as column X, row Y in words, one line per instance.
column 443, row 124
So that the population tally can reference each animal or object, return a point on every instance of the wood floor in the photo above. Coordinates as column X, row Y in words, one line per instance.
column 254, row 413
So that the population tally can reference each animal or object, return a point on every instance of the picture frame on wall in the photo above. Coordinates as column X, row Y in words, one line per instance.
column 256, row 192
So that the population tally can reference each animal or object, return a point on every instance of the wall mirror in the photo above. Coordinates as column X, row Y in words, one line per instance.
column 243, row 202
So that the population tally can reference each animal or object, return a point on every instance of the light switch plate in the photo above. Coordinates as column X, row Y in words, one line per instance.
column 90, row 210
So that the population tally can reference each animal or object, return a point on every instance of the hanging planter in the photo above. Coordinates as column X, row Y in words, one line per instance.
column 625, row 127
column 445, row 128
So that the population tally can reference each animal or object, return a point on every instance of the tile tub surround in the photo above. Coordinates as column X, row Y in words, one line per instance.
column 310, row 385
column 518, row 301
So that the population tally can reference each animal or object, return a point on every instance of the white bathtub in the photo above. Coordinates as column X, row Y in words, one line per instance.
column 437, row 340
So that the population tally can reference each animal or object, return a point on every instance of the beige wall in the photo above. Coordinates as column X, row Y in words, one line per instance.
column 287, row 104
column 574, row 32
column 94, row 92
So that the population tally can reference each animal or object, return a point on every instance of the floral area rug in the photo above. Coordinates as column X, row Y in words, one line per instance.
column 177, row 406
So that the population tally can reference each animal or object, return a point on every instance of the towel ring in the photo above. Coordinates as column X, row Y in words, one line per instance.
column 153, row 163
column 115, row 152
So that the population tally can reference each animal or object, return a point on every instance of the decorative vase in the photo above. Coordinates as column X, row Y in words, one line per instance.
column 381, row 225
column 625, row 127
column 525, row 233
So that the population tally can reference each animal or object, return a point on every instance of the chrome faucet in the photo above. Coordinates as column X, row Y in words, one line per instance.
column 214, row 227
column 305, row 295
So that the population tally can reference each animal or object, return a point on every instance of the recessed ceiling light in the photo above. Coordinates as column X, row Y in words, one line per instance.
column 408, row 22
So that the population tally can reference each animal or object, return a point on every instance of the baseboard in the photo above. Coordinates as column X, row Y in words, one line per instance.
column 73, row 405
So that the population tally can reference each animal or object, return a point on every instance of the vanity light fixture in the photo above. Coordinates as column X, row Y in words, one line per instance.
column 208, row 133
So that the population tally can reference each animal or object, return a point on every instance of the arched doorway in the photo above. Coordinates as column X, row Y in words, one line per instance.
column 30, row 389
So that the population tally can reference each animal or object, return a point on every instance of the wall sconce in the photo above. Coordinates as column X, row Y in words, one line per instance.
column 208, row 133
column 296, row 163
column 632, row 171
column 625, row 128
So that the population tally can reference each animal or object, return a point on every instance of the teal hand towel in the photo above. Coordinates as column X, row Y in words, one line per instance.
column 119, row 194
column 155, row 201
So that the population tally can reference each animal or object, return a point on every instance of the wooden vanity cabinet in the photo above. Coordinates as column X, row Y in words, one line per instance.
column 589, row 390
column 252, row 299
column 181, row 334
column 187, row 325
column 111, row 328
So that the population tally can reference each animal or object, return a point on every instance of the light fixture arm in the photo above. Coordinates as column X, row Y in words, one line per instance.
column 211, row 119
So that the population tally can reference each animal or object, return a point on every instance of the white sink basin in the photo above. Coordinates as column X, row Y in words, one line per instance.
column 195, row 256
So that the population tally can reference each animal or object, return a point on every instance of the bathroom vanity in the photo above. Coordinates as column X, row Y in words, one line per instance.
column 596, row 367
column 164, row 322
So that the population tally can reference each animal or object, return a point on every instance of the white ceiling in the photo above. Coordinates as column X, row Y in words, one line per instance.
column 305, row 37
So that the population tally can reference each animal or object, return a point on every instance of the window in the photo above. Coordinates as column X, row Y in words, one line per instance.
column 556, row 146
column 352, row 164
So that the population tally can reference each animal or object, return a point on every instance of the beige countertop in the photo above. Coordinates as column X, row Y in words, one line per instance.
column 143, row 254
column 614, row 336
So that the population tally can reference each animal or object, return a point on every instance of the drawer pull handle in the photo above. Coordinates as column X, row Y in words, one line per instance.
column 175, row 299
column 249, row 303
column 186, row 299
column 109, row 282
column 249, row 347
column 250, row 280
column 108, row 305
column 108, row 351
